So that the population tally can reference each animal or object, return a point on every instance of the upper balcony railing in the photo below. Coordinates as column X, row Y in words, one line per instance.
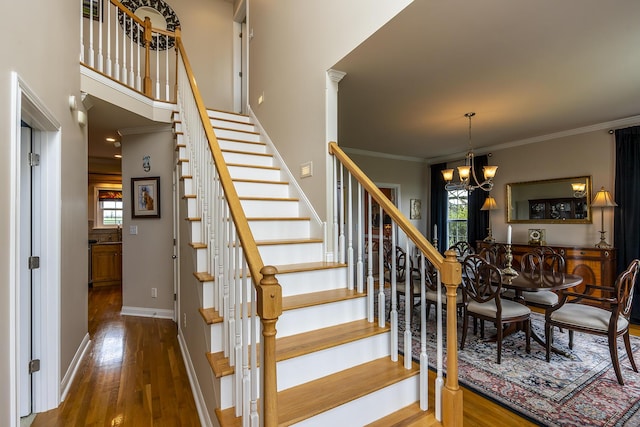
column 126, row 48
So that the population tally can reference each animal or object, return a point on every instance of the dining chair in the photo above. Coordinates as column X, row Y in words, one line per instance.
column 606, row 315
column 482, row 286
column 403, row 266
column 540, row 261
column 462, row 249
column 432, row 284
column 495, row 254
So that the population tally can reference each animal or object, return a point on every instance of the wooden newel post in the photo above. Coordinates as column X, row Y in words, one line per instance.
column 452, row 413
column 269, row 299
column 147, row 85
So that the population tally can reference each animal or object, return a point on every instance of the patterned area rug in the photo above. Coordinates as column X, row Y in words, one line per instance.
column 579, row 390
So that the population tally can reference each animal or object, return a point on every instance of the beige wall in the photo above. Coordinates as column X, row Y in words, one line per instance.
column 590, row 154
column 410, row 176
column 146, row 257
column 294, row 44
column 207, row 34
column 46, row 57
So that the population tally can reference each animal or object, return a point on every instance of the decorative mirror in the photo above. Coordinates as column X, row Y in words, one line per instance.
column 551, row 201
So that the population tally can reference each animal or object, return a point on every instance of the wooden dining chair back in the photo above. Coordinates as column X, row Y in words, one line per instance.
column 462, row 249
column 606, row 315
column 432, row 284
column 495, row 254
column 482, row 288
column 403, row 266
column 537, row 261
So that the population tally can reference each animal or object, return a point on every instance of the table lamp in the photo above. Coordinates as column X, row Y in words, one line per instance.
column 489, row 205
column 602, row 200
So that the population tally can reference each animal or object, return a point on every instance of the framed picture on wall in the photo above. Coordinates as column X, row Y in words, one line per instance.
column 91, row 9
column 145, row 197
column 415, row 209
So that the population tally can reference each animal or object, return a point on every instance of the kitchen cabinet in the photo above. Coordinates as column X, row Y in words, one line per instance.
column 106, row 264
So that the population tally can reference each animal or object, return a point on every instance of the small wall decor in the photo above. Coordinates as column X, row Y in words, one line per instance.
column 157, row 43
column 146, row 163
column 415, row 209
column 145, row 197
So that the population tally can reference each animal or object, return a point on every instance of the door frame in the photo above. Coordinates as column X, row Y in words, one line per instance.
column 26, row 106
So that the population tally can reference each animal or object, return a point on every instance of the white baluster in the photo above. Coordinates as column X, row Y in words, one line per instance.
column 360, row 238
column 370, row 282
column 81, row 33
column 91, row 51
column 132, row 77
column 157, row 56
column 350, row 234
column 116, row 74
column 408, row 307
column 108, row 70
column 166, row 72
column 394, row 296
column 100, row 25
column 138, row 49
column 381, row 298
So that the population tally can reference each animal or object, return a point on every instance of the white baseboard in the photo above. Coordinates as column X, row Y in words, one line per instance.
column 73, row 367
column 201, row 405
column 147, row 312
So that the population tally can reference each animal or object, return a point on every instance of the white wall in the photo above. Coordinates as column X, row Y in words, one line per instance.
column 146, row 257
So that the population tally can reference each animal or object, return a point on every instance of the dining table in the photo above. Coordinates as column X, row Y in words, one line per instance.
column 536, row 281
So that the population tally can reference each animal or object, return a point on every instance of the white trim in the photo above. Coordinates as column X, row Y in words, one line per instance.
column 143, row 130
column 46, row 324
column 160, row 313
column 199, row 399
column 382, row 155
column 69, row 376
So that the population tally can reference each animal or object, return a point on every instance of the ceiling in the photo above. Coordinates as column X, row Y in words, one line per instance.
column 526, row 68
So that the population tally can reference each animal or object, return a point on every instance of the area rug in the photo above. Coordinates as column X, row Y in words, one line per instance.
column 578, row 390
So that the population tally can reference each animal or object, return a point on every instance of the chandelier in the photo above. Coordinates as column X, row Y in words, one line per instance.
column 468, row 180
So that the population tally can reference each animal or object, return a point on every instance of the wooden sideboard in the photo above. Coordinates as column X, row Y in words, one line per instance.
column 596, row 266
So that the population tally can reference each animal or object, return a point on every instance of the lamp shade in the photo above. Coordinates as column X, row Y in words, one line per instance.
column 489, row 204
column 603, row 199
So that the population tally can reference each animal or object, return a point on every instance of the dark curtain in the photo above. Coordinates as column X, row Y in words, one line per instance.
column 626, row 236
column 438, row 205
column 478, row 221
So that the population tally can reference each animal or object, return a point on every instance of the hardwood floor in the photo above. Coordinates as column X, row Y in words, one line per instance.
column 132, row 375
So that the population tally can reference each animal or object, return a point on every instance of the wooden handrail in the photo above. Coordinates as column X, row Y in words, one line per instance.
column 269, row 291
column 450, row 274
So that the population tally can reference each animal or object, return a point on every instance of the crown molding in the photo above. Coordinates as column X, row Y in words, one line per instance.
column 382, row 155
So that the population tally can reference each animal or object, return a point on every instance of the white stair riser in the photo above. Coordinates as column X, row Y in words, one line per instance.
column 201, row 259
column 270, row 208
column 247, row 159
column 291, row 254
column 225, row 393
column 242, row 146
column 299, row 370
column 368, row 408
column 243, row 172
column 187, row 184
column 182, row 152
column 191, row 207
column 228, row 124
column 177, row 126
column 216, row 337
column 306, row 319
column 234, row 134
column 207, row 294
column 185, row 168
column 213, row 114
column 259, row 189
column 312, row 281
column 196, row 231
column 281, row 229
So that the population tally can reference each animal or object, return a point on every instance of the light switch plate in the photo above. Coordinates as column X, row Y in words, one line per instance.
column 133, row 229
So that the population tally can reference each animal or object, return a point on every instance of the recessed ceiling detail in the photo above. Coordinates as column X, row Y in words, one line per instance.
column 161, row 15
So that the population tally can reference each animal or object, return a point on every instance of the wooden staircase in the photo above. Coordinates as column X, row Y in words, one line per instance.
column 333, row 366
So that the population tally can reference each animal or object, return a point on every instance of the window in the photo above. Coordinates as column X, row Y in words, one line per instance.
column 457, row 214
column 109, row 208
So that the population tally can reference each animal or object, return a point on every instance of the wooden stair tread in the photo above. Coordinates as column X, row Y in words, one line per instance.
column 242, row 141
column 198, row 245
column 301, row 402
column 409, row 416
column 280, row 218
column 236, row 130
column 270, row 199
column 316, row 298
column 220, row 365
column 321, row 339
column 222, row 119
column 210, row 315
column 251, row 153
column 204, row 276
column 287, row 242
column 253, row 166
column 308, row 266
column 260, row 181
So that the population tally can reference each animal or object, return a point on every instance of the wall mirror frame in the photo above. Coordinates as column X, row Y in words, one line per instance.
column 549, row 201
